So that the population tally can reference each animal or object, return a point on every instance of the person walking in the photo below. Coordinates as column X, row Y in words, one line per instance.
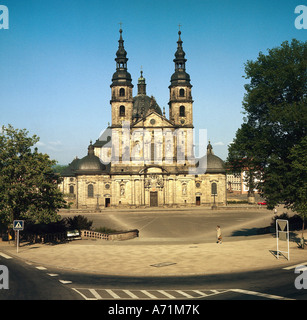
column 218, row 235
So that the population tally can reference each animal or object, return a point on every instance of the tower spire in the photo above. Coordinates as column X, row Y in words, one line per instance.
column 180, row 55
column 121, row 54
column 121, row 76
column 180, row 76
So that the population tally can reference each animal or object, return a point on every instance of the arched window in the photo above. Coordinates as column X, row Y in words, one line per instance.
column 122, row 111
column 214, row 188
column 90, row 191
column 182, row 111
column 181, row 92
column 71, row 189
column 121, row 92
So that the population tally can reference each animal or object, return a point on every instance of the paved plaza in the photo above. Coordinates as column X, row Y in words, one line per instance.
column 161, row 251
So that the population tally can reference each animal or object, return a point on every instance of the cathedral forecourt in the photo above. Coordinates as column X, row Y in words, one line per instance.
column 144, row 159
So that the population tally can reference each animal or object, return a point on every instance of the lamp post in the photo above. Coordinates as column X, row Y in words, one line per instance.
column 214, row 194
column 97, row 205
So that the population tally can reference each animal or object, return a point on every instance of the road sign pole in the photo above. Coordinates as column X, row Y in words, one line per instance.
column 17, row 240
column 17, row 226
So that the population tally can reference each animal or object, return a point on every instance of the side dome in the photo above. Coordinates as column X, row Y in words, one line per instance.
column 70, row 171
column 211, row 163
column 90, row 164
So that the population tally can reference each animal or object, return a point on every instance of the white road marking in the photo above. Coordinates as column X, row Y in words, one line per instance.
column 65, row 281
column 5, row 256
column 156, row 294
column 254, row 293
column 148, row 294
column 215, row 291
column 166, row 294
column 130, row 294
column 82, row 295
column 95, row 294
column 297, row 265
column 113, row 294
column 200, row 293
column 41, row 268
column 184, row 294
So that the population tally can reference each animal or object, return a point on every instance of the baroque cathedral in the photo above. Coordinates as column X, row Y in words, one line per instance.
column 144, row 159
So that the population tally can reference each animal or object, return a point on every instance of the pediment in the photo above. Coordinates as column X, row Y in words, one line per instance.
column 153, row 120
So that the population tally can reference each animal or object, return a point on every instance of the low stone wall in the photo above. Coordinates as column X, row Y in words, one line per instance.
column 93, row 234
column 124, row 235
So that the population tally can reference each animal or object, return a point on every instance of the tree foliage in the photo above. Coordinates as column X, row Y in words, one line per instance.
column 272, row 138
column 78, row 222
column 28, row 184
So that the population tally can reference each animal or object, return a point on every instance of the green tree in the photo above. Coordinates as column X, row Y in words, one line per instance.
column 241, row 156
column 78, row 222
column 275, row 109
column 28, row 185
column 297, row 188
column 58, row 168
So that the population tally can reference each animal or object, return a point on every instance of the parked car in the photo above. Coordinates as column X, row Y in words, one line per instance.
column 262, row 203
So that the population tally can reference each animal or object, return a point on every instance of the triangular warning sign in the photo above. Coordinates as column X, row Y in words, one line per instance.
column 282, row 224
column 18, row 225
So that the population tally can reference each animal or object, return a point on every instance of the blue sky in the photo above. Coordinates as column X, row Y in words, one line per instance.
column 57, row 61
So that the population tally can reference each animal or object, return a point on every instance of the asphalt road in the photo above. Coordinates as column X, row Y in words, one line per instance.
column 28, row 283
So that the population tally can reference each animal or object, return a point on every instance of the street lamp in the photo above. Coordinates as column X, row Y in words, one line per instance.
column 97, row 205
column 214, row 194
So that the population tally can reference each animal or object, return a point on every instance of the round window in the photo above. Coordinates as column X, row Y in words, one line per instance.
column 152, row 121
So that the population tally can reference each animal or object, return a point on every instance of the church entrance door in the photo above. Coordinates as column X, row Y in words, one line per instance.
column 198, row 201
column 107, row 202
column 153, row 198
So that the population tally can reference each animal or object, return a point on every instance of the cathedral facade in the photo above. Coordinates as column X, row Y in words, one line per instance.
column 144, row 159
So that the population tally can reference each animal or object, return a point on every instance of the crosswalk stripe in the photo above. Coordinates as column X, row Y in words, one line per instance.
column 148, row 294
column 166, row 294
column 184, row 294
column 200, row 293
column 95, row 293
column 82, row 295
column 113, row 294
column 100, row 294
column 130, row 294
